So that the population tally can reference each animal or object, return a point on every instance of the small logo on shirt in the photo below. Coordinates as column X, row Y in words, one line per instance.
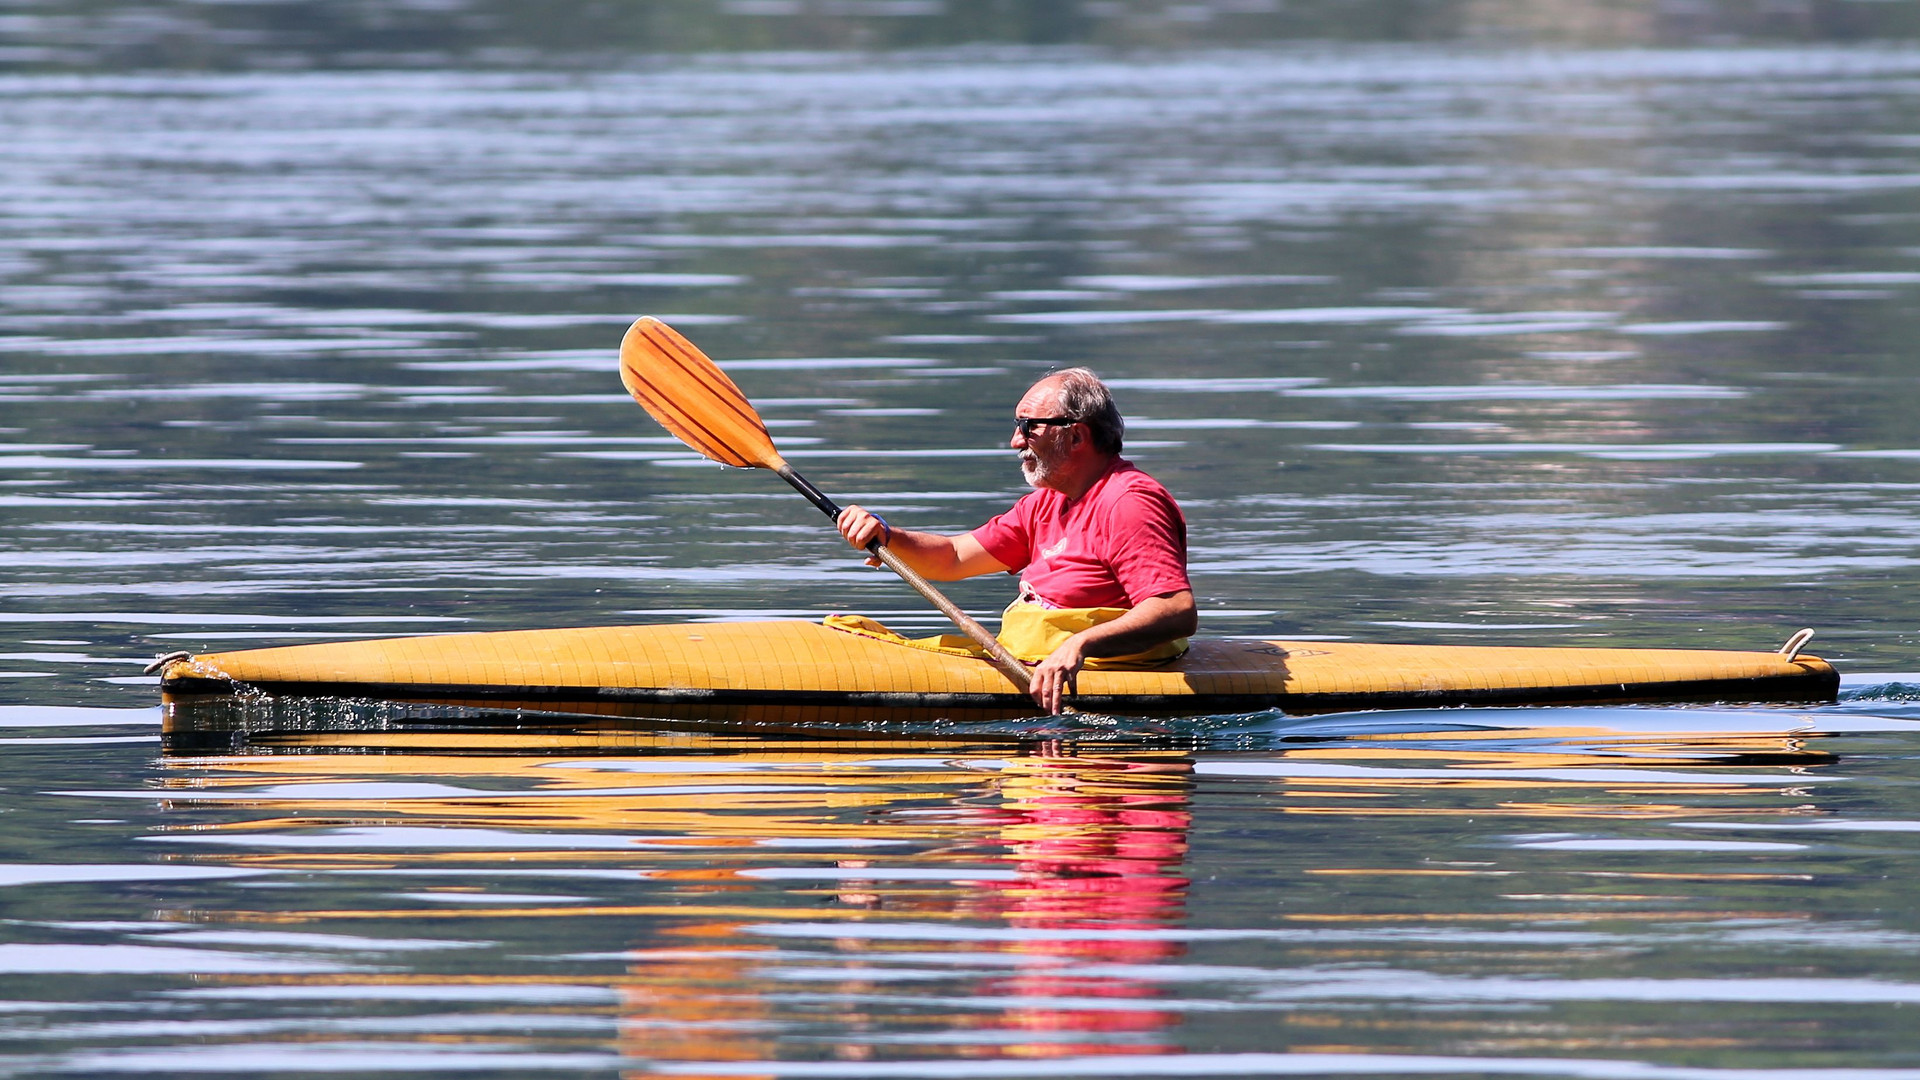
column 1055, row 548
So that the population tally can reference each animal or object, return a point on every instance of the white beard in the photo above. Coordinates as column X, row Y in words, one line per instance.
column 1038, row 470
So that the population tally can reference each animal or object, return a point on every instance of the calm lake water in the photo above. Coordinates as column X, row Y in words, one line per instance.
column 1436, row 343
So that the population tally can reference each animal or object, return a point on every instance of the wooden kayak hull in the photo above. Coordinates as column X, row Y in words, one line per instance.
column 802, row 677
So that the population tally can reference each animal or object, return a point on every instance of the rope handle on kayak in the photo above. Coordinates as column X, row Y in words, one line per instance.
column 162, row 661
column 1791, row 650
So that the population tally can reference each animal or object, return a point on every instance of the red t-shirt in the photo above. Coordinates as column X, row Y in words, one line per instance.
column 1123, row 541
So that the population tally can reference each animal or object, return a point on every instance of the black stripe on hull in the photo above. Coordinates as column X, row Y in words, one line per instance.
column 825, row 707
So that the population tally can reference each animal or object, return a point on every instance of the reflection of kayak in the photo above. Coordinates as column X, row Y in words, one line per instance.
column 798, row 674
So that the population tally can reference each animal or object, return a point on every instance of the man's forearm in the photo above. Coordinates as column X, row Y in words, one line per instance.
column 942, row 558
column 1155, row 620
column 930, row 554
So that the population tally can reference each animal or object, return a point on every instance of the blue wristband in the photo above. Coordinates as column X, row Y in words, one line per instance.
column 888, row 538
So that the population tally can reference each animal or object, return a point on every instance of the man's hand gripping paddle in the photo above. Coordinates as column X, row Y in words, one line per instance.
column 694, row 400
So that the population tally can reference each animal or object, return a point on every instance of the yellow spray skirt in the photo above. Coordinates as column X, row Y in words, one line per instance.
column 1028, row 631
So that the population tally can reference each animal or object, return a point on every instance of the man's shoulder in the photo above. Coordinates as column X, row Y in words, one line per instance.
column 1139, row 519
column 1131, row 501
column 1036, row 500
column 1127, row 478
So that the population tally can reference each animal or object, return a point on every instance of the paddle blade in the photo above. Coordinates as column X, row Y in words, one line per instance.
column 692, row 398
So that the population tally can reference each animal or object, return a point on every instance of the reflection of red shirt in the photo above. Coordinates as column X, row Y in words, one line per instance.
column 1122, row 542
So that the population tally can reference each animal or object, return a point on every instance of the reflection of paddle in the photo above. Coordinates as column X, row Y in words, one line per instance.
column 694, row 399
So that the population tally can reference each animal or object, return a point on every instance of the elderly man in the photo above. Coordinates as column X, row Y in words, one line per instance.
column 1101, row 547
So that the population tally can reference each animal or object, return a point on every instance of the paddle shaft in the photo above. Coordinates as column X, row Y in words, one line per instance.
column 1008, row 664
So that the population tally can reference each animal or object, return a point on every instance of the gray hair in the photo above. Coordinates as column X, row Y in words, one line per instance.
column 1086, row 399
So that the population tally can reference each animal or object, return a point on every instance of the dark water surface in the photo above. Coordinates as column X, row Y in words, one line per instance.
column 1435, row 344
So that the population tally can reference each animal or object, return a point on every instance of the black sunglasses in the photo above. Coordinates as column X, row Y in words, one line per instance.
column 1025, row 424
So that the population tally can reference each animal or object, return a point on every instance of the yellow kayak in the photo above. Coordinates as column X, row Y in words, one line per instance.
column 801, row 676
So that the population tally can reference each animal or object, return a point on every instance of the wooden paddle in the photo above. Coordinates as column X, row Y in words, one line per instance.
column 693, row 399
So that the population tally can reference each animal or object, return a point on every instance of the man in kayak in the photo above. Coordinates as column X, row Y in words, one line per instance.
column 1101, row 547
